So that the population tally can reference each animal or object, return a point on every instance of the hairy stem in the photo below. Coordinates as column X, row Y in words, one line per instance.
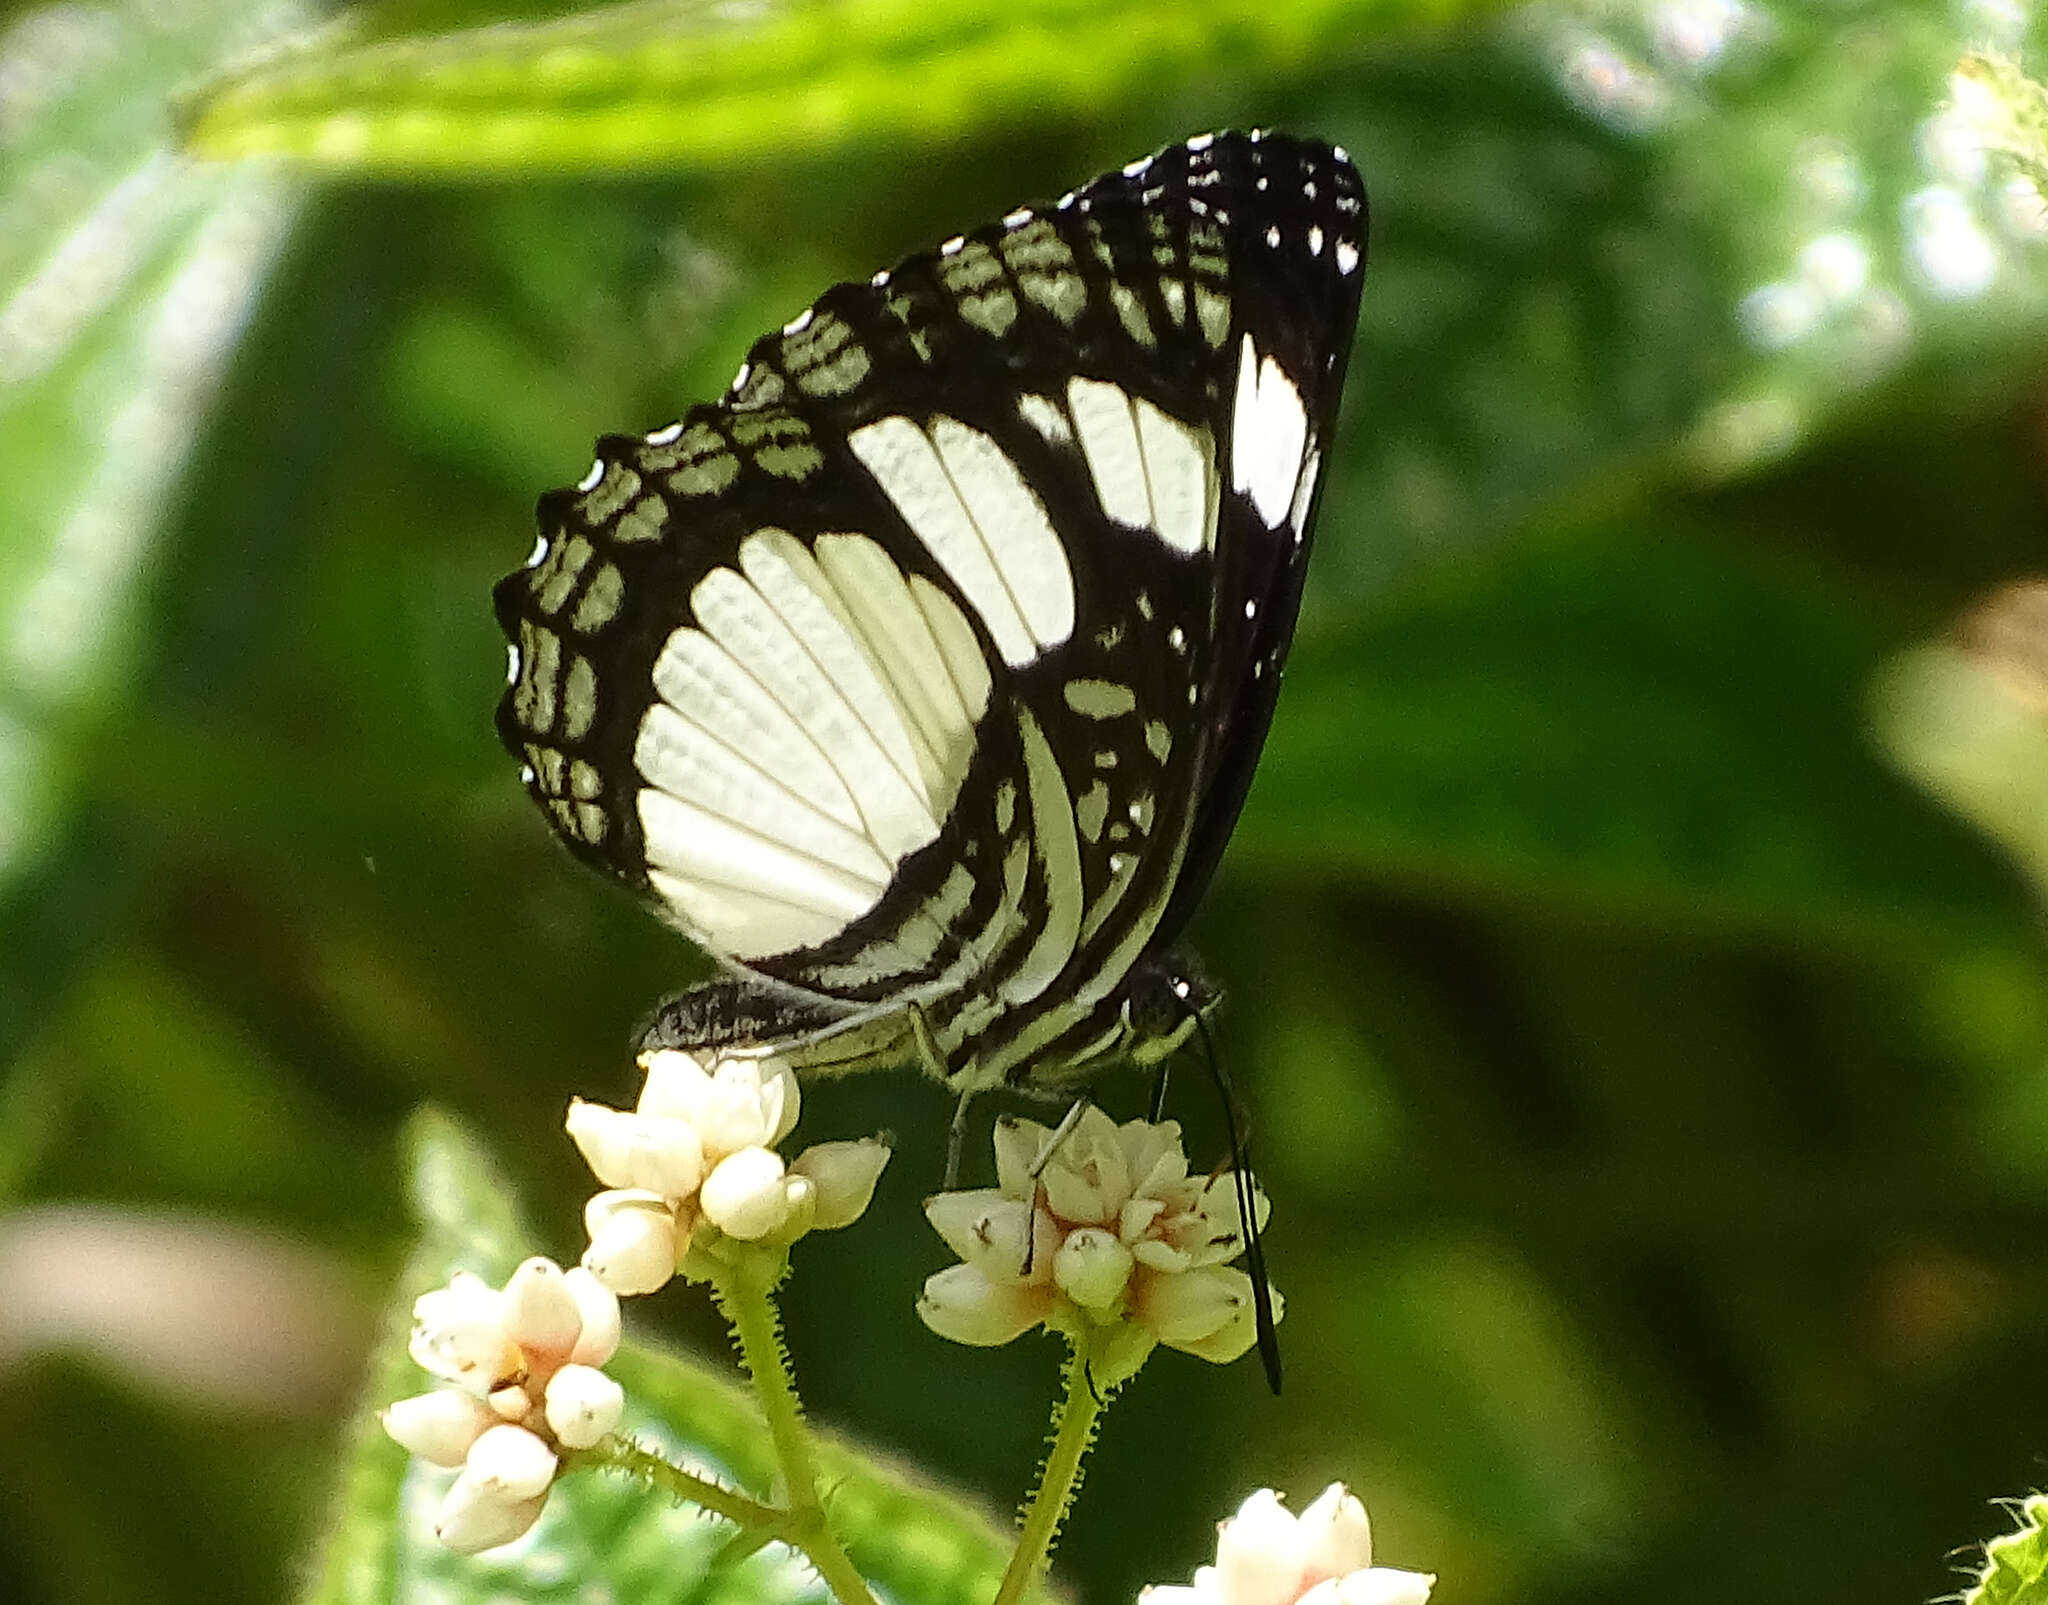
column 620, row 1453
column 1074, row 1422
column 745, row 1292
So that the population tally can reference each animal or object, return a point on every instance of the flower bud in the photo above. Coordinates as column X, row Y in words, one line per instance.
column 964, row 1306
column 459, row 1336
column 439, row 1427
column 846, row 1173
column 540, row 1312
column 799, row 1207
column 474, row 1518
column 633, row 1241
column 1092, row 1268
column 583, row 1404
column 744, row 1196
column 510, row 1463
column 645, row 1152
column 1195, row 1305
column 597, row 1315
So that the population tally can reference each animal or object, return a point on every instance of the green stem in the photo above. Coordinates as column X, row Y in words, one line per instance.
column 745, row 1292
column 1074, row 1423
column 619, row 1453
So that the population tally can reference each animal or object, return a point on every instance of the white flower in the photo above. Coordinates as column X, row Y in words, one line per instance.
column 524, row 1363
column 1114, row 1231
column 1266, row 1555
column 696, row 1156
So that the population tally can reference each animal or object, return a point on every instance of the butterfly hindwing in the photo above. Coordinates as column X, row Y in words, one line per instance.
column 917, row 674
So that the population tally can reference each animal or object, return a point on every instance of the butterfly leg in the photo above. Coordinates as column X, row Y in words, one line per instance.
column 956, row 1137
column 1054, row 1138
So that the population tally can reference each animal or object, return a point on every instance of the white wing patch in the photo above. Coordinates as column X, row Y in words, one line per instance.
column 1268, row 430
column 812, row 731
column 965, row 500
column 1151, row 471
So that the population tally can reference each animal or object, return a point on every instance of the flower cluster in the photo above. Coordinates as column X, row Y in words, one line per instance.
column 522, row 1364
column 1266, row 1555
column 1112, row 1230
column 696, row 1157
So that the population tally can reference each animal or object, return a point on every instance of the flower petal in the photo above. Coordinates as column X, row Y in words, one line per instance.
column 1385, row 1585
column 646, row 1152
column 1337, row 1535
column 635, row 1239
column 964, row 1306
column 1018, row 1144
column 846, row 1173
column 540, row 1312
column 439, row 1427
column 1259, row 1553
column 987, row 1230
column 458, row 1334
column 597, row 1309
column 474, row 1517
column 676, row 1085
column 511, row 1464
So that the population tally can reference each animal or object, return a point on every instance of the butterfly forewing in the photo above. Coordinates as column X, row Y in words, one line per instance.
column 924, row 673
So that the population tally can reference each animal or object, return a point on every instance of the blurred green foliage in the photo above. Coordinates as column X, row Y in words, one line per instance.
column 1650, row 1077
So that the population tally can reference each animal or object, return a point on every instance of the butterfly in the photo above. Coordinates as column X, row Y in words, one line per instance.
column 921, row 677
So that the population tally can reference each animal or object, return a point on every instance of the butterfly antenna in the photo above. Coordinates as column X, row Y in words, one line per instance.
column 1234, row 1124
column 1158, row 1110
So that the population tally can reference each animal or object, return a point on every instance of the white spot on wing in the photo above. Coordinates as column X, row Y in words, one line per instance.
column 539, row 552
column 1315, row 239
column 1347, row 257
column 667, row 435
column 1177, row 471
column 799, row 323
column 1109, row 440
column 1044, row 414
column 1269, row 427
column 590, row 481
column 1304, row 493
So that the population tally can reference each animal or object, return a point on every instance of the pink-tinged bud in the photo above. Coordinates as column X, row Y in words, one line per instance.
column 643, row 1152
column 1335, row 1534
column 1092, row 1268
column 510, row 1463
column 458, row 1335
column 1258, row 1554
column 473, row 1518
column 964, row 1306
column 583, row 1404
column 634, row 1240
column 439, row 1427
column 676, row 1085
column 540, row 1312
column 744, row 1196
column 845, row 1174
column 597, row 1312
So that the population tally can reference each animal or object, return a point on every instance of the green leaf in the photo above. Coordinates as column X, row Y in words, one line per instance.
column 1649, row 723
column 668, row 82
column 2016, row 1564
column 604, row 1532
column 126, row 276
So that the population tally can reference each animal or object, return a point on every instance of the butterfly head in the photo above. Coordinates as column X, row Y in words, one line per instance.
column 1163, row 997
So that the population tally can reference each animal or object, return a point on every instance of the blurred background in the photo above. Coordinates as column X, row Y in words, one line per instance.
column 1630, row 945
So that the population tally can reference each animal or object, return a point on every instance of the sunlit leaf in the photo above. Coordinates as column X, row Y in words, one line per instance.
column 662, row 82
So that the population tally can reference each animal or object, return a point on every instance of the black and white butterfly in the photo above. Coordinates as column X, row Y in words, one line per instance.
column 920, row 678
